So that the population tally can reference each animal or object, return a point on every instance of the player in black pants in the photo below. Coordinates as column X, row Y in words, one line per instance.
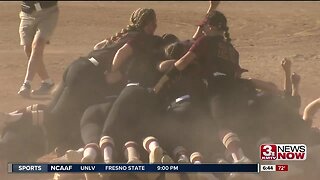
column 136, row 111
column 140, row 71
column 83, row 85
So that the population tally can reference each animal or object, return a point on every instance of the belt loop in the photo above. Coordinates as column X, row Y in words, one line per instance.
column 93, row 61
column 215, row 74
column 133, row 84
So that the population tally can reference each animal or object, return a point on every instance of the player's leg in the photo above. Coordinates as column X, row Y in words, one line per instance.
column 27, row 31
column 46, row 21
column 92, row 121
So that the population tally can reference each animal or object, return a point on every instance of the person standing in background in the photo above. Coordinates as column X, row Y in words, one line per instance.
column 38, row 21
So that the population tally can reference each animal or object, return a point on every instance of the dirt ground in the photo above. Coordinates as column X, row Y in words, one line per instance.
column 263, row 32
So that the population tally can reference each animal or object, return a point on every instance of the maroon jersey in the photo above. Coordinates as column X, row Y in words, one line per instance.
column 214, row 54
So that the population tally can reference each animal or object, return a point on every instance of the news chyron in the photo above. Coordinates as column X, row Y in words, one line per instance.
column 297, row 152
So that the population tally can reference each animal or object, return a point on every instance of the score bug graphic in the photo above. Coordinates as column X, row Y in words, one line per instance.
column 283, row 152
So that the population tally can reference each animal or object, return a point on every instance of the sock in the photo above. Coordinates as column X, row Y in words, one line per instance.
column 106, row 145
column 195, row 158
column 90, row 152
column 132, row 154
column 48, row 81
column 232, row 143
column 153, row 145
column 130, row 151
column 107, row 154
column 238, row 155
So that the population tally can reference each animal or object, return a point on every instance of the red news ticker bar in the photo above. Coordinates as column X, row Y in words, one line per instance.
column 283, row 167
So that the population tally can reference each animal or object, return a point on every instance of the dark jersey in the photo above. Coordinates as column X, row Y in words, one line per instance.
column 148, row 53
column 30, row 6
column 105, row 55
column 216, row 55
column 190, row 81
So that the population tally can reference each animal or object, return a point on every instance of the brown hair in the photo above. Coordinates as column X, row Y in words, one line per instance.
column 218, row 19
column 175, row 50
column 138, row 20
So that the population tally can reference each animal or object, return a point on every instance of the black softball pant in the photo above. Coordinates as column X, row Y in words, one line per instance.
column 124, row 118
column 83, row 85
column 136, row 114
column 131, row 116
column 228, row 104
column 93, row 119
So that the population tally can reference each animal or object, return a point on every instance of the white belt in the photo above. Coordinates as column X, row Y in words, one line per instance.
column 133, row 84
column 178, row 100
column 219, row 74
column 182, row 98
column 94, row 61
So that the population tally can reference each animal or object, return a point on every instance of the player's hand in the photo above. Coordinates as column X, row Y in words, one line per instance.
column 160, row 84
column 286, row 65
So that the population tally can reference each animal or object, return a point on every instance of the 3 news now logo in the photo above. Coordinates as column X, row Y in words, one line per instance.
column 283, row 152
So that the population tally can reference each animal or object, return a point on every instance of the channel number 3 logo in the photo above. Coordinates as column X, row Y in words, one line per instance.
column 268, row 151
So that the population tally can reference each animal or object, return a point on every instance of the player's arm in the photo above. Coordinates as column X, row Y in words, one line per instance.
column 166, row 65
column 100, row 44
column 310, row 110
column 295, row 80
column 178, row 66
column 120, row 57
column 286, row 66
column 213, row 6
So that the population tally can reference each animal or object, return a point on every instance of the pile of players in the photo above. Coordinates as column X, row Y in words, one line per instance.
column 138, row 88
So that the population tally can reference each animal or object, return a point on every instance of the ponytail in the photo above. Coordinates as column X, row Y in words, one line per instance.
column 139, row 18
column 119, row 35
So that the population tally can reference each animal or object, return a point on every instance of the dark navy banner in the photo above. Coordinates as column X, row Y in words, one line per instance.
column 76, row 168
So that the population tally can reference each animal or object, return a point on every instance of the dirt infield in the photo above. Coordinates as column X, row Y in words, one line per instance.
column 263, row 32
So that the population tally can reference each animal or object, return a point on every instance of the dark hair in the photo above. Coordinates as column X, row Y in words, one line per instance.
column 219, row 20
column 138, row 20
column 169, row 39
column 175, row 50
